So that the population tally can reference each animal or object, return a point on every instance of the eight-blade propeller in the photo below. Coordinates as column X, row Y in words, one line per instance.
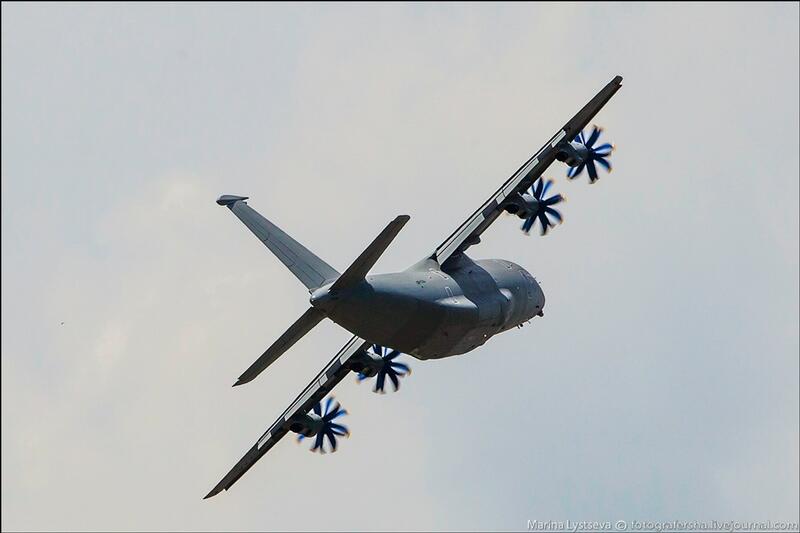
column 544, row 210
column 329, row 428
column 593, row 153
column 390, row 368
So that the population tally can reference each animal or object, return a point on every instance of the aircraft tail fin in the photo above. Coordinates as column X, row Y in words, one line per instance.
column 312, row 271
column 361, row 266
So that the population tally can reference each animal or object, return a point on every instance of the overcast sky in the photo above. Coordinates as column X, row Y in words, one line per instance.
column 661, row 384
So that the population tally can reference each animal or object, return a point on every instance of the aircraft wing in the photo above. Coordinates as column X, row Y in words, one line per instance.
column 325, row 381
column 469, row 232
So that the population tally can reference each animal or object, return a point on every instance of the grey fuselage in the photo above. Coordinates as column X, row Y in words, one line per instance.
column 432, row 313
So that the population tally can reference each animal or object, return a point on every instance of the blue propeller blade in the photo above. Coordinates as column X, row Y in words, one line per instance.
column 553, row 200
column 592, row 170
column 331, row 439
column 527, row 225
column 553, row 213
column 574, row 171
column 401, row 368
column 604, row 149
column 547, row 185
column 339, row 429
column 593, row 137
column 318, row 442
column 544, row 222
column 338, row 413
column 380, row 381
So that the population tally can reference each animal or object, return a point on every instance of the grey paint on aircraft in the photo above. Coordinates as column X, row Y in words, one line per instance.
column 432, row 313
column 444, row 305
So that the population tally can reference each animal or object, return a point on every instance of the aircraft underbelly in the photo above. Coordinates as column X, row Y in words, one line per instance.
column 466, row 326
column 436, row 314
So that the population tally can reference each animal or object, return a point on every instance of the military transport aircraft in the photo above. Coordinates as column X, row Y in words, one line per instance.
column 446, row 304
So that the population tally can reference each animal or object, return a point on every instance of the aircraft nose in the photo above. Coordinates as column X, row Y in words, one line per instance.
column 541, row 306
column 539, row 298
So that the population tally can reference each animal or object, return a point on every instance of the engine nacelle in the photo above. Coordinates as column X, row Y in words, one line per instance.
column 572, row 153
column 306, row 424
column 522, row 205
column 366, row 363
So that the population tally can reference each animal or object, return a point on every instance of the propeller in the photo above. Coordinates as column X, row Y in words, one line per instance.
column 593, row 154
column 543, row 205
column 328, row 428
column 389, row 367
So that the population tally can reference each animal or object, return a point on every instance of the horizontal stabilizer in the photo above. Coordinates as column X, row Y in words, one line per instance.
column 312, row 271
column 361, row 266
column 296, row 331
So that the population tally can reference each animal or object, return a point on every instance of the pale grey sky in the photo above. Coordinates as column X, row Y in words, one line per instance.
column 662, row 383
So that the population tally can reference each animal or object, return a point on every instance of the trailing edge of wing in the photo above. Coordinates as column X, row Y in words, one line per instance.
column 325, row 381
column 468, row 233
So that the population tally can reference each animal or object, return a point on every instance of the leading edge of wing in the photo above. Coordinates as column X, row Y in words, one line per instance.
column 325, row 381
column 468, row 232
